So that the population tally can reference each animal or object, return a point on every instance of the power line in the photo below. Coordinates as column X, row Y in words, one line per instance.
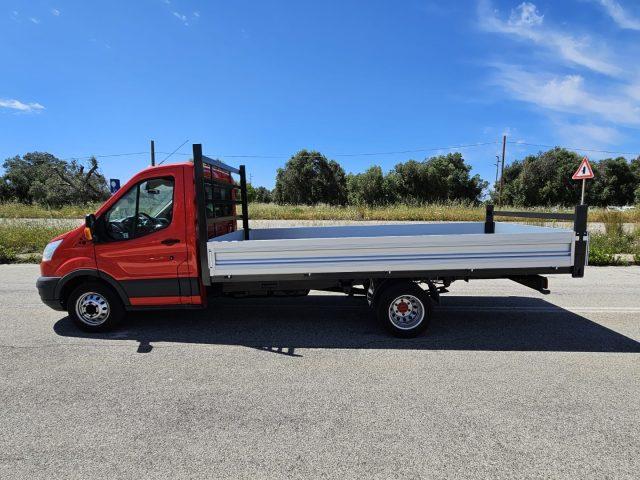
column 572, row 148
column 363, row 154
column 87, row 157
column 167, row 157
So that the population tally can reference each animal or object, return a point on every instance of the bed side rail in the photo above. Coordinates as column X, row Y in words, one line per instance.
column 578, row 217
column 203, row 173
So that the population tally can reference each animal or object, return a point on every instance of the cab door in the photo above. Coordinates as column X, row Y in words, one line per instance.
column 142, row 241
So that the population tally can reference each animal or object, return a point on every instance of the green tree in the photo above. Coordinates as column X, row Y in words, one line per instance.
column 263, row 195
column 42, row 178
column 614, row 183
column 369, row 188
column 437, row 179
column 258, row 194
column 635, row 168
column 309, row 178
column 251, row 193
column 542, row 179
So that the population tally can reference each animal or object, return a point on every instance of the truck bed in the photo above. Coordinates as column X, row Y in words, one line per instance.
column 275, row 252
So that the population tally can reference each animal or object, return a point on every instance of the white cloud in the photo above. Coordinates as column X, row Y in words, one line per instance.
column 525, row 14
column 525, row 22
column 196, row 14
column 581, row 105
column 13, row 104
column 578, row 134
column 181, row 17
column 567, row 94
column 34, row 20
column 620, row 15
column 55, row 12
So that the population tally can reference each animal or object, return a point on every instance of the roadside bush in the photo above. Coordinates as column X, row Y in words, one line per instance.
column 7, row 255
column 600, row 256
column 603, row 247
column 613, row 223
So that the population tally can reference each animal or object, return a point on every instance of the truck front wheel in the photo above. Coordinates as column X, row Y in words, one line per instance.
column 95, row 307
column 403, row 308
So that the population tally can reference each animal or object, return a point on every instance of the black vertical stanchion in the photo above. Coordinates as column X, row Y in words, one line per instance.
column 243, row 195
column 201, row 214
column 580, row 250
column 489, row 223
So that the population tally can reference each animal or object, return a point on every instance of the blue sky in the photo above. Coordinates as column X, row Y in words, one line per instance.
column 345, row 77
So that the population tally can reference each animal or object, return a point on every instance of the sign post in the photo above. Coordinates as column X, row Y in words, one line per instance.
column 583, row 173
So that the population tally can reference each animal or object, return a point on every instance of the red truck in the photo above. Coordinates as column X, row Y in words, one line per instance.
column 169, row 239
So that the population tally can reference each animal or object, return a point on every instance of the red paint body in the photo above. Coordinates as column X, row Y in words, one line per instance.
column 145, row 261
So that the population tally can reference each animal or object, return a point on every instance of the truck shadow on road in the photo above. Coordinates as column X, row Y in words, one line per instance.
column 283, row 325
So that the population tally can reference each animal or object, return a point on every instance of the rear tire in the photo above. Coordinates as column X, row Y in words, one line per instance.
column 95, row 307
column 403, row 309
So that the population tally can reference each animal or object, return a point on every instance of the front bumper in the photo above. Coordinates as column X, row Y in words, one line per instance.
column 47, row 289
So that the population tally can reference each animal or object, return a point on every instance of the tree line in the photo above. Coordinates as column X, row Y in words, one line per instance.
column 311, row 178
column 544, row 179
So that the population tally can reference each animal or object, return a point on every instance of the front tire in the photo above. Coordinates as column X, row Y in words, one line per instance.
column 403, row 309
column 95, row 307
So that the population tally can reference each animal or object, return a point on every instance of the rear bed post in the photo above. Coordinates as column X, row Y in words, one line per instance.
column 203, row 236
column 580, row 229
column 489, row 224
column 243, row 196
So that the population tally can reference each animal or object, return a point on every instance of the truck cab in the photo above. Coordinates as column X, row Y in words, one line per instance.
column 140, row 249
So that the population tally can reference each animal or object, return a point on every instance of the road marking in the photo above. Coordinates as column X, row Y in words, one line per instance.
column 553, row 308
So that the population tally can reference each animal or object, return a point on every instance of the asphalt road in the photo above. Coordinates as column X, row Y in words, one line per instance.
column 507, row 383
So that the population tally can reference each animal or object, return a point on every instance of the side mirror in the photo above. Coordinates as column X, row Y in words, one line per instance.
column 89, row 223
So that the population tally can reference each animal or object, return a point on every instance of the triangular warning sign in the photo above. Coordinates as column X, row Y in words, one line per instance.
column 584, row 170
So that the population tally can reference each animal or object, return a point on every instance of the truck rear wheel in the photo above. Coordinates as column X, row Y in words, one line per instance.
column 95, row 307
column 403, row 308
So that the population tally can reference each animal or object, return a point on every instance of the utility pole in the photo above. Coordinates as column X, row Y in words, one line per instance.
column 504, row 148
column 153, row 153
column 497, row 169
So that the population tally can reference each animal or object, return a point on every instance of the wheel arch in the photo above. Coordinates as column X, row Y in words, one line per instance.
column 70, row 281
column 381, row 284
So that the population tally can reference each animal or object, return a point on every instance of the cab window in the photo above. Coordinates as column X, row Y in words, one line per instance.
column 145, row 208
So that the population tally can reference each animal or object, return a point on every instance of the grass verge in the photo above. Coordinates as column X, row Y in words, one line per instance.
column 21, row 210
column 609, row 249
column 270, row 211
column 431, row 212
column 24, row 243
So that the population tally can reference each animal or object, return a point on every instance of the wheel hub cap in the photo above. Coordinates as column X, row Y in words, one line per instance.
column 406, row 312
column 92, row 308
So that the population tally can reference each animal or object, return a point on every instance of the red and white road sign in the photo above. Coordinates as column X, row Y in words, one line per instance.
column 584, row 170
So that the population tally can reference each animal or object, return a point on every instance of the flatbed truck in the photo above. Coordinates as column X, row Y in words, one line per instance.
column 169, row 239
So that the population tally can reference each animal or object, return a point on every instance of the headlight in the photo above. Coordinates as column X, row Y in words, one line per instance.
column 49, row 250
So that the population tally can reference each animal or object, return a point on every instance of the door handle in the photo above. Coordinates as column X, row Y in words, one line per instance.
column 170, row 241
